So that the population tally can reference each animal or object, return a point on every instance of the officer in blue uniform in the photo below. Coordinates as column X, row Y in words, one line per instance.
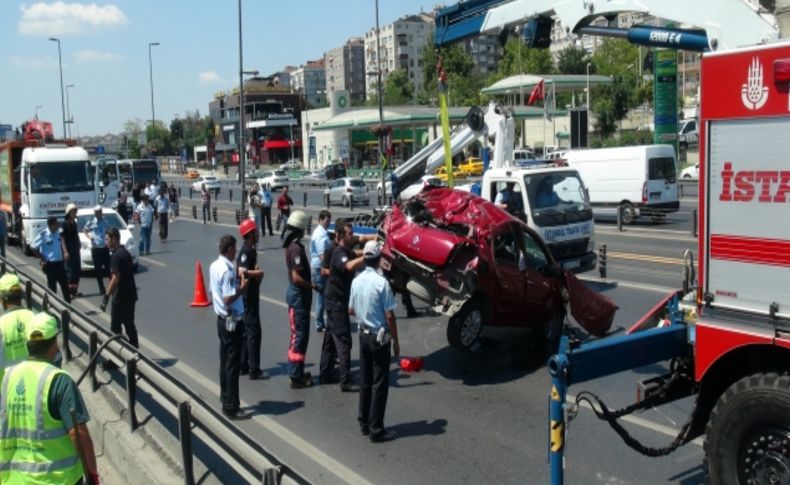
column 95, row 229
column 49, row 247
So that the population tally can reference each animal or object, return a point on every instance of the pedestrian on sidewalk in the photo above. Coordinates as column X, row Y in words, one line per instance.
column 373, row 304
column 299, row 298
column 49, row 247
column 319, row 242
column 144, row 214
column 37, row 431
column 13, row 322
column 71, row 243
column 284, row 204
column 162, row 204
column 247, row 262
column 343, row 266
column 205, row 198
column 266, row 210
column 95, row 230
column 122, row 288
column 228, row 285
column 172, row 192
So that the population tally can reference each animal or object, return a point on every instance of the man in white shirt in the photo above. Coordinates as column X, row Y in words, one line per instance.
column 162, row 206
column 144, row 214
column 227, row 287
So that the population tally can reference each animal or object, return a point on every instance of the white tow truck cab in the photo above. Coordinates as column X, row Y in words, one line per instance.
column 107, row 180
column 50, row 179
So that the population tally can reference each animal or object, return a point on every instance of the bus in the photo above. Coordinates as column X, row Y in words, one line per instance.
column 135, row 171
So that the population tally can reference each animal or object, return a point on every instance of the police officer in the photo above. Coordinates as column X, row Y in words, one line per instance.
column 247, row 261
column 49, row 247
column 299, row 297
column 509, row 200
column 373, row 303
column 36, row 427
column 95, row 229
column 12, row 323
column 319, row 242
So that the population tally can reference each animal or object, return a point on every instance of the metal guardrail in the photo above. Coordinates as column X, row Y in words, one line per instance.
column 195, row 416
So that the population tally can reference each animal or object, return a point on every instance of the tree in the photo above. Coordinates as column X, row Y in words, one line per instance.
column 572, row 60
column 398, row 90
column 520, row 59
column 616, row 58
column 464, row 80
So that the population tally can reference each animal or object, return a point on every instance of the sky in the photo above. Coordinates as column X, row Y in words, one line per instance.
column 105, row 46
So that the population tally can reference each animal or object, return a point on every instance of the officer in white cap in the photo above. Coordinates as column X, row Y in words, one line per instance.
column 96, row 229
column 373, row 304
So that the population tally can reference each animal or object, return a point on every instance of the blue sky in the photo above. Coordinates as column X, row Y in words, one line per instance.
column 105, row 52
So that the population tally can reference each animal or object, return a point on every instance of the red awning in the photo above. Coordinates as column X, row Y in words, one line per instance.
column 274, row 144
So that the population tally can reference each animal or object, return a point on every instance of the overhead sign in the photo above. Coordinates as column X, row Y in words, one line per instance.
column 100, row 149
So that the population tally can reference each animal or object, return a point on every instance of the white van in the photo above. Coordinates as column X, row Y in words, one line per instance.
column 640, row 179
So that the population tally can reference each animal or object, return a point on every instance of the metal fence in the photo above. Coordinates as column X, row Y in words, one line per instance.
column 196, row 418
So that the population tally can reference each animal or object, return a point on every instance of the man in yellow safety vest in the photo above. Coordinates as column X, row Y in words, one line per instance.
column 40, row 443
column 13, row 341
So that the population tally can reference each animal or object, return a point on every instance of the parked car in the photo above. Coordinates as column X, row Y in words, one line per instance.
column 441, row 173
column 192, row 174
column 274, row 179
column 128, row 240
column 292, row 164
column 471, row 167
column 212, row 183
column 475, row 263
column 690, row 172
column 343, row 190
column 523, row 155
column 314, row 177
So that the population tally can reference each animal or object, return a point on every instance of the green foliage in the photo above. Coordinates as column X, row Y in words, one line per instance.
column 398, row 90
column 464, row 80
column 520, row 59
column 626, row 138
column 610, row 104
column 572, row 60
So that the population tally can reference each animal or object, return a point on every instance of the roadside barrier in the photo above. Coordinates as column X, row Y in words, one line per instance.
column 196, row 418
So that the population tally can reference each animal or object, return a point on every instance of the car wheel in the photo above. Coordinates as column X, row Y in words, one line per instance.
column 628, row 212
column 463, row 328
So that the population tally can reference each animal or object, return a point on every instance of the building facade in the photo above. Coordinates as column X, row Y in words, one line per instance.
column 309, row 80
column 345, row 69
column 486, row 51
column 402, row 43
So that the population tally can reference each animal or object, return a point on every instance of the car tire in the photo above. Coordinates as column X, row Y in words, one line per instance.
column 464, row 328
column 629, row 212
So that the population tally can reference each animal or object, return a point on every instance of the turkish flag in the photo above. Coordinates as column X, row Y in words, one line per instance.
column 536, row 94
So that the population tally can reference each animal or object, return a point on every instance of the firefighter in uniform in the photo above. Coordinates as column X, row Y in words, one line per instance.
column 13, row 322
column 299, row 297
column 247, row 261
column 39, row 441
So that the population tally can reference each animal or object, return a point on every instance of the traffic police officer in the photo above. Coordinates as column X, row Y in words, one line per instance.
column 373, row 303
column 95, row 229
column 38, row 438
column 247, row 261
column 13, row 322
column 319, row 242
column 49, row 247
column 299, row 298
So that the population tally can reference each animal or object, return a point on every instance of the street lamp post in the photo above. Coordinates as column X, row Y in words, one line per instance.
column 587, row 101
column 381, row 105
column 62, row 101
column 151, row 76
column 242, row 161
column 68, row 109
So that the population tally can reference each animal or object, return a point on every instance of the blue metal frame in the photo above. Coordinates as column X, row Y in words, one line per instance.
column 604, row 357
column 462, row 20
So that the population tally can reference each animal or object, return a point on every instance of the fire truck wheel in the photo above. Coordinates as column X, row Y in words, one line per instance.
column 629, row 212
column 464, row 327
column 748, row 433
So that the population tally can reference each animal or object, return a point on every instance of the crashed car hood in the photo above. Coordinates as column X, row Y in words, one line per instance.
column 431, row 225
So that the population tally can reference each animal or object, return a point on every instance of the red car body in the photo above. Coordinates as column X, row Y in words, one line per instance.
column 470, row 259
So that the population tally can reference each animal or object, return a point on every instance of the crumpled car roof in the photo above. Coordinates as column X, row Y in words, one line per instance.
column 448, row 206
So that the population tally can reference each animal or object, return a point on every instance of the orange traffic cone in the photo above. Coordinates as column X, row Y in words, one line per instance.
column 200, row 298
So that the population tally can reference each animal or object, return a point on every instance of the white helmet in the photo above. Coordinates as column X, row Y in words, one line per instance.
column 299, row 220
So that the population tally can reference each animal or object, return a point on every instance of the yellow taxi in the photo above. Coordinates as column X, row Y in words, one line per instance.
column 441, row 173
column 192, row 174
column 471, row 167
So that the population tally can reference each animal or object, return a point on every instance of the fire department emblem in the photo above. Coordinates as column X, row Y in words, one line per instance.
column 753, row 94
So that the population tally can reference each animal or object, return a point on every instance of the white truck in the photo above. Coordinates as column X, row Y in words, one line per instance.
column 50, row 178
column 636, row 180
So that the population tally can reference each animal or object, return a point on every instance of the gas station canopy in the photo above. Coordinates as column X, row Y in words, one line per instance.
column 524, row 83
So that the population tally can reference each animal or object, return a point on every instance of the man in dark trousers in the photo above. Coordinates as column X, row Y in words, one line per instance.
column 337, row 340
column 227, row 287
column 373, row 304
column 299, row 297
column 122, row 288
column 247, row 261
column 95, row 230
column 49, row 247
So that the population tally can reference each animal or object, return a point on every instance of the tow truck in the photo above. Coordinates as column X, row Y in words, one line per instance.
column 726, row 334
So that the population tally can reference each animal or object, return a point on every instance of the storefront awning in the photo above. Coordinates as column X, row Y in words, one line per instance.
column 275, row 144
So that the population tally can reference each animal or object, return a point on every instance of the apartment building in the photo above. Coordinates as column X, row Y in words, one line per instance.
column 309, row 80
column 345, row 68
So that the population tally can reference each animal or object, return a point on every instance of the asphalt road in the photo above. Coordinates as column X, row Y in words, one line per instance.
column 465, row 418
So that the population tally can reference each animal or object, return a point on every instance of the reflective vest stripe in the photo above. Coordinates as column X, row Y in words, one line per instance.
column 29, row 434
column 39, row 398
column 24, row 466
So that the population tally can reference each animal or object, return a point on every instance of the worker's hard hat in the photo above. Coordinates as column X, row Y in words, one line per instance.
column 42, row 326
column 299, row 220
column 9, row 283
column 247, row 226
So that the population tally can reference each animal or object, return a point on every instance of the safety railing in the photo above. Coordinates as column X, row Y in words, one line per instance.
column 196, row 418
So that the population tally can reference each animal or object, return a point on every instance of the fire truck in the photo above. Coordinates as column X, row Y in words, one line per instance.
column 726, row 335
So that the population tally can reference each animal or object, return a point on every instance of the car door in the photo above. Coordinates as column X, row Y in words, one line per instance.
column 335, row 190
column 541, row 290
column 661, row 180
column 509, row 291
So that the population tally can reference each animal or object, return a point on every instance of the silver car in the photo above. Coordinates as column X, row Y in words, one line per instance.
column 344, row 190
column 274, row 179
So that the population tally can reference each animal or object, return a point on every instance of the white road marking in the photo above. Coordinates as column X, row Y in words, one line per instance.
column 152, row 261
column 628, row 284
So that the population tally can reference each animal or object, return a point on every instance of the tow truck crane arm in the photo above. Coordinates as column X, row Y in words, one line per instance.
column 707, row 19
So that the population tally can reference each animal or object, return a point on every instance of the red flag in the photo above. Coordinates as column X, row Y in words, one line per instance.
column 536, row 94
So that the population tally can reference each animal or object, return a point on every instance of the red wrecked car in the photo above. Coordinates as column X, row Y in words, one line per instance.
column 475, row 263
